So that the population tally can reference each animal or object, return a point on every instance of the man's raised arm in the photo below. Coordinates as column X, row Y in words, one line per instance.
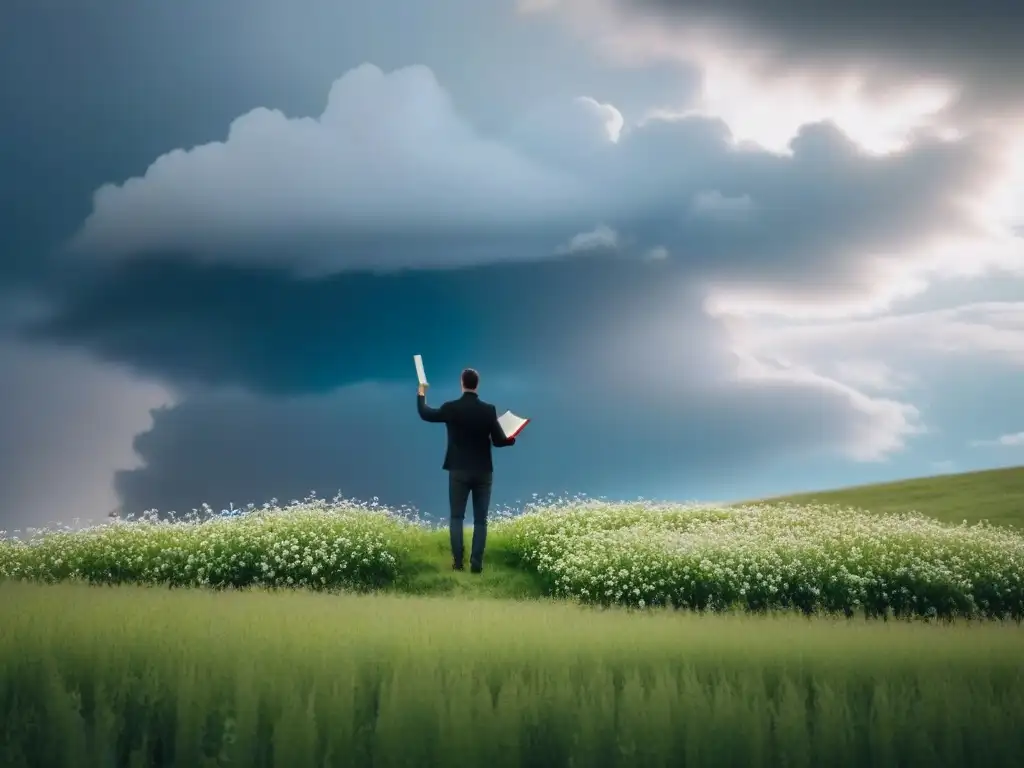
column 498, row 434
column 433, row 415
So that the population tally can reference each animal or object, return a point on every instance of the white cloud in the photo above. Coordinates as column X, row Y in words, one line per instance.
column 389, row 151
column 389, row 176
column 600, row 238
column 770, row 112
column 1004, row 441
column 766, row 73
column 744, row 84
column 994, row 330
column 871, row 375
column 880, row 426
column 881, row 364
column 690, row 359
column 573, row 135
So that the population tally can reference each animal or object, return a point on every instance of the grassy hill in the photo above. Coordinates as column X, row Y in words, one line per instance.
column 996, row 495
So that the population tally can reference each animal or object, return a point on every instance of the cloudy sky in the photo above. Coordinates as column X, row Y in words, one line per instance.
column 714, row 251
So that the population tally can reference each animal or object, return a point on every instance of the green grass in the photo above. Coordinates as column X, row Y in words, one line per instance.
column 428, row 570
column 131, row 676
column 996, row 495
column 445, row 668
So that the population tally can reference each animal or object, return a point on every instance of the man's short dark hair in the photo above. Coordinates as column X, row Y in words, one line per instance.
column 470, row 379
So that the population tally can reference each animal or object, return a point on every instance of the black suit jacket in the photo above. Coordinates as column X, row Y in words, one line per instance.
column 472, row 429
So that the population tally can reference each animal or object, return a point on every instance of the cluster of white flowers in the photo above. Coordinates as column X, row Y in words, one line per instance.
column 313, row 543
column 762, row 557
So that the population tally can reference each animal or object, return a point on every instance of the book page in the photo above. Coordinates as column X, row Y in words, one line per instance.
column 511, row 424
column 420, row 373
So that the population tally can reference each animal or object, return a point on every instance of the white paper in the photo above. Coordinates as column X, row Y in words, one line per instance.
column 510, row 423
column 419, row 369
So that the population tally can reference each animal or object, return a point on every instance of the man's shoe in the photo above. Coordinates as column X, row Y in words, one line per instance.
column 476, row 569
column 457, row 566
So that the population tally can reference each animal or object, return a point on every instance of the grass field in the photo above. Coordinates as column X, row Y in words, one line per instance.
column 156, row 677
column 435, row 667
column 996, row 495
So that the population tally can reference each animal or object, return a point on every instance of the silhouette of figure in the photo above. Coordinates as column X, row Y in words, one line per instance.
column 473, row 428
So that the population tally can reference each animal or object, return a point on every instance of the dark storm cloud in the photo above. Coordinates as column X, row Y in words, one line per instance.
column 630, row 384
column 366, row 441
column 812, row 226
column 627, row 381
column 269, row 331
column 982, row 31
column 625, row 376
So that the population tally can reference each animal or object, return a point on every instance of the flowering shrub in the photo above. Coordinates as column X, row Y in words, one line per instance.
column 314, row 543
column 771, row 556
column 756, row 557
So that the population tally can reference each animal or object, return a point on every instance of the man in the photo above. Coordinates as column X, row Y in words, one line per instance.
column 472, row 428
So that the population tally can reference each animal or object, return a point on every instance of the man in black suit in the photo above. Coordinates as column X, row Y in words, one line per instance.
column 472, row 428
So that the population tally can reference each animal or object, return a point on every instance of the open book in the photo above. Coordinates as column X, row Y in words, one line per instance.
column 511, row 424
column 420, row 374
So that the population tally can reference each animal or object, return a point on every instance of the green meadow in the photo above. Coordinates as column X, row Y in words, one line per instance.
column 853, row 628
column 996, row 495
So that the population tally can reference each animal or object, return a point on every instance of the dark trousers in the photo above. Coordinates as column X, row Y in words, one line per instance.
column 460, row 485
